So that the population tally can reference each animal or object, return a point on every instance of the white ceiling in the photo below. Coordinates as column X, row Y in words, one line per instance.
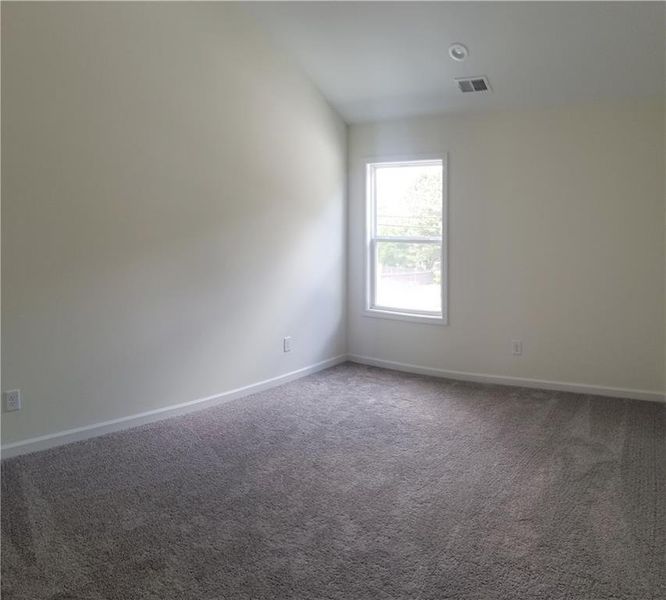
column 377, row 60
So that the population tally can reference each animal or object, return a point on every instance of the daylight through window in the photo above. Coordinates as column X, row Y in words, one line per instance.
column 406, row 266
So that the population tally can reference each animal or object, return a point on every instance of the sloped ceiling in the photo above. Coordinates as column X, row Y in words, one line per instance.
column 377, row 60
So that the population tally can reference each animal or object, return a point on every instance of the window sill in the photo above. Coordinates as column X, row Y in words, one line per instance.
column 400, row 316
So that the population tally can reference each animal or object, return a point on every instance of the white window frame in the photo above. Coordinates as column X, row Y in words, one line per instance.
column 371, row 309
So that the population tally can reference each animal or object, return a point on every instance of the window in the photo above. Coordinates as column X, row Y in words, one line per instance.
column 406, row 249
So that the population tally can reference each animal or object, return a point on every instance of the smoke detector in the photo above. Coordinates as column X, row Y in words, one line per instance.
column 458, row 51
column 473, row 84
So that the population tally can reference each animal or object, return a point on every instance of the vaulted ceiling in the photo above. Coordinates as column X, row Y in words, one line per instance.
column 376, row 60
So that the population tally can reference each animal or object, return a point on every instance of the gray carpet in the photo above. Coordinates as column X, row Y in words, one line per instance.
column 354, row 483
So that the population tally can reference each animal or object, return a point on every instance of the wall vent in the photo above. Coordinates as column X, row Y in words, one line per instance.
column 473, row 84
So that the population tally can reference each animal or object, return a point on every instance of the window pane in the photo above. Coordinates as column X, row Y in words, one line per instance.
column 409, row 200
column 408, row 276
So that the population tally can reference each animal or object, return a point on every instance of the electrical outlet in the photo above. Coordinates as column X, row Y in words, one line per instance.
column 517, row 347
column 286, row 344
column 12, row 400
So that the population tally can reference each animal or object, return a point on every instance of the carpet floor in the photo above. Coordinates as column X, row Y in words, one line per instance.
column 354, row 483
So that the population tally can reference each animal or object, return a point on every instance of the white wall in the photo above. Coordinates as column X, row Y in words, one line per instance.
column 556, row 238
column 173, row 205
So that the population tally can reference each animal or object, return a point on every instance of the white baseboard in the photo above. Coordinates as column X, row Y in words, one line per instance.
column 81, row 433
column 581, row 388
column 89, row 431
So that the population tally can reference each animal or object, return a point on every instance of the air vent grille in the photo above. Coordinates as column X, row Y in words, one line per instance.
column 473, row 84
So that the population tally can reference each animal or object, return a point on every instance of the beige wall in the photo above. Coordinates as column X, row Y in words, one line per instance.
column 172, row 206
column 556, row 223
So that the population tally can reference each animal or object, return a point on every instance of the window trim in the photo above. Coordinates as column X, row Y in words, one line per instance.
column 383, row 312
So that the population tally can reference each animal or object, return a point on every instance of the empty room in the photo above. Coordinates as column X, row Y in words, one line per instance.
column 333, row 300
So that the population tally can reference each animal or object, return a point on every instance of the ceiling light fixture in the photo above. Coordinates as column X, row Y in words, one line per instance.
column 458, row 51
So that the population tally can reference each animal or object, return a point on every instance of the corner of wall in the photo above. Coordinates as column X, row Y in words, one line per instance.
column 347, row 234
